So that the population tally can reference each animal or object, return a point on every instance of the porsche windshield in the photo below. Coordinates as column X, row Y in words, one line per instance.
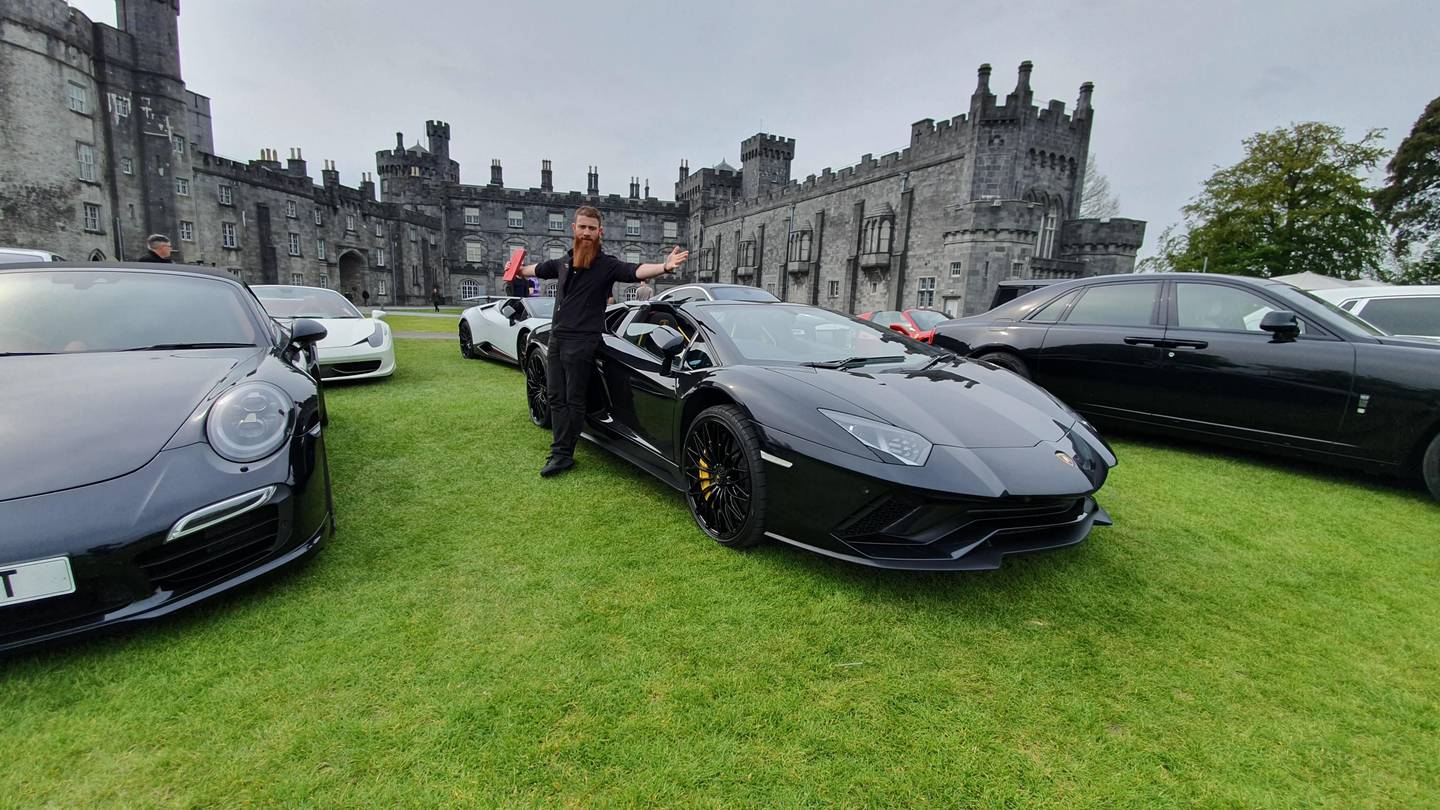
column 780, row 333
column 304, row 302
column 67, row 311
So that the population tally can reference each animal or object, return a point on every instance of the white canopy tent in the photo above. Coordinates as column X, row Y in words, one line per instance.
column 1314, row 281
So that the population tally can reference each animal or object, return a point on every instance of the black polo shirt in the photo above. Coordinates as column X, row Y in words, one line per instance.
column 581, row 294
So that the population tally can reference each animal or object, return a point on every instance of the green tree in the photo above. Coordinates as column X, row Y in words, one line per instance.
column 1296, row 202
column 1410, row 200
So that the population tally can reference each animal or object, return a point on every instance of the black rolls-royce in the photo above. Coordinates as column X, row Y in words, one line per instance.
column 1236, row 360
column 160, row 442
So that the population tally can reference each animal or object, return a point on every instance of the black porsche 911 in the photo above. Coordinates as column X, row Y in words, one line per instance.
column 160, row 442
column 829, row 433
column 1246, row 362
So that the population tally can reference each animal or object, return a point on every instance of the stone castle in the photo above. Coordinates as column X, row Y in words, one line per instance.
column 106, row 144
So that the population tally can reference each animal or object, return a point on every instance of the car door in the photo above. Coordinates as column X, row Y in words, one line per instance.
column 1222, row 374
column 1101, row 355
column 642, row 399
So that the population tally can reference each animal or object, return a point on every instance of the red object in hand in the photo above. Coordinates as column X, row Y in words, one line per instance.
column 513, row 266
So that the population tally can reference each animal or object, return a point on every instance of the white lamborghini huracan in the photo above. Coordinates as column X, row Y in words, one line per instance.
column 354, row 348
column 499, row 329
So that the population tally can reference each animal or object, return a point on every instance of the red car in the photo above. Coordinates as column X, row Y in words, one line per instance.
column 916, row 323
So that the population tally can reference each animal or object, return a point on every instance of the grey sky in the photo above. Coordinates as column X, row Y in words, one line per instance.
column 634, row 87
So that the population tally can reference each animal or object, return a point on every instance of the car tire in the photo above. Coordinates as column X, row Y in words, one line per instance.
column 725, row 476
column 467, row 346
column 520, row 345
column 1007, row 361
column 537, row 390
column 1430, row 467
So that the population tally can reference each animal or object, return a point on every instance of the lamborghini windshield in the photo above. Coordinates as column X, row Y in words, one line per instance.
column 304, row 302
column 802, row 335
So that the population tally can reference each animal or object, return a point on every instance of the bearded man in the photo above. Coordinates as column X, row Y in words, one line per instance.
column 586, row 275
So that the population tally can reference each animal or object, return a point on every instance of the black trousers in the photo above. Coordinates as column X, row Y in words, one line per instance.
column 572, row 360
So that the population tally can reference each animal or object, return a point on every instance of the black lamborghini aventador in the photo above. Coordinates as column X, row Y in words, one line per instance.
column 829, row 433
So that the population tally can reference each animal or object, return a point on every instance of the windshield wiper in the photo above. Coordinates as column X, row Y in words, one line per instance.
column 162, row 346
column 851, row 362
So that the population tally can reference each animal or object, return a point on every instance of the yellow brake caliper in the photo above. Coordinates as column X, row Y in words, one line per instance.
column 705, row 479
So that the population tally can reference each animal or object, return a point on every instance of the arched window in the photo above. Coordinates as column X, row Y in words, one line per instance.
column 469, row 288
column 1045, row 245
column 632, row 255
column 800, row 242
column 876, row 236
column 629, row 293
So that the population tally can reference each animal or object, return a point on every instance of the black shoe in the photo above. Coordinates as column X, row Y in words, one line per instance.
column 556, row 465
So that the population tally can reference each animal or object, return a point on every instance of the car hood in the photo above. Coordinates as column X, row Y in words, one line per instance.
column 341, row 333
column 74, row 419
column 958, row 403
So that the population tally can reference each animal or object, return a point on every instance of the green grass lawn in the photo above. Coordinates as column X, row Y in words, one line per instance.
column 1249, row 633
column 415, row 323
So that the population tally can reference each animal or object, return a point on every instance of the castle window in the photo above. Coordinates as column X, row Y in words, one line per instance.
column 320, row 249
column 515, row 218
column 955, row 270
column 415, row 275
column 182, row 186
column 555, row 252
column 177, row 142
column 925, row 292
column 187, row 231
column 747, row 253
column 672, row 230
column 92, row 217
column 324, row 279
column 121, row 105
column 384, row 186
column 834, row 289
column 379, row 231
column 632, row 226
column 79, row 98
column 379, row 257
column 632, row 255
column 469, row 288
column 127, row 166
column 412, row 233
column 876, row 234
column 799, row 246
column 382, row 287
column 557, row 222
column 350, row 223
column 85, row 155
column 1045, row 245
column 294, row 244
column 319, row 219
column 297, row 279
column 472, row 216
column 474, row 252
column 291, row 210
column 227, row 235
column 227, row 195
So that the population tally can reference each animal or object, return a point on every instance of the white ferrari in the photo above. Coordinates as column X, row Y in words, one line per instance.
column 500, row 328
column 354, row 348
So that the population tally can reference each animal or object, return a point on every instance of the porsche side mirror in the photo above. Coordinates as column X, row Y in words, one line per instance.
column 378, row 314
column 1282, row 324
column 305, row 332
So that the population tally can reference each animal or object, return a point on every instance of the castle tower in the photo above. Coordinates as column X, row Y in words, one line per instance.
column 765, row 164
column 437, row 134
column 155, row 25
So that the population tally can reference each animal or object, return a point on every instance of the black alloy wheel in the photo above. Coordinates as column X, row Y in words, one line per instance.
column 467, row 348
column 1430, row 467
column 725, row 477
column 537, row 390
column 1007, row 361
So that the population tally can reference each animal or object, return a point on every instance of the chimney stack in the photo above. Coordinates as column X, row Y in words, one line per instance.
column 547, row 182
column 592, row 182
column 296, row 164
column 495, row 178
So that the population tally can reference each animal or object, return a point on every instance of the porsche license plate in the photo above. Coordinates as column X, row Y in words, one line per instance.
column 40, row 579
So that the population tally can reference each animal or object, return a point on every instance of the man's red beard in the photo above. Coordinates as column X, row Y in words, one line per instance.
column 583, row 252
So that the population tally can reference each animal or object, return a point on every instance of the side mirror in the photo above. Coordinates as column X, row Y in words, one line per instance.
column 667, row 341
column 510, row 309
column 305, row 332
column 378, row 314
column 1282, row 324
column 900, row 327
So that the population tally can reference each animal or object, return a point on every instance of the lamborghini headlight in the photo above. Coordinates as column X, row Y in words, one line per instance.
column 895, row 445
column 249, row 422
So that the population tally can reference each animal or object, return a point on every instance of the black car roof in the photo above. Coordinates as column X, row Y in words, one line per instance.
column 147, row 267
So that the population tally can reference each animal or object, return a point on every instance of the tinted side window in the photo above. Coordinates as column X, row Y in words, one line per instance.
column 1404, row 316
column 1214, row 306
column 698, row 356
column 1116, row 305
column 888, row 316
column 1051, row 312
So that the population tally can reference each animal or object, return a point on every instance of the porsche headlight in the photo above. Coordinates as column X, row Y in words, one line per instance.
column 895, row 445
column 249, row 422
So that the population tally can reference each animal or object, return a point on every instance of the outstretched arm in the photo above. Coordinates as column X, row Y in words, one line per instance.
column 676, row 258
